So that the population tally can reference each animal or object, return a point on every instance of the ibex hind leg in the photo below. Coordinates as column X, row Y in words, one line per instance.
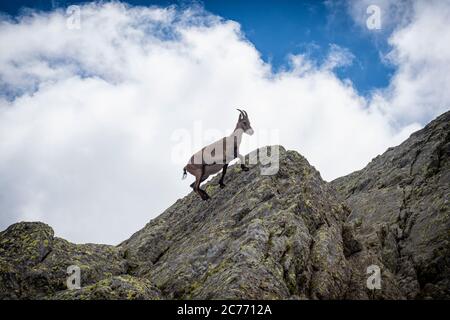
column 192, row 185
column 204, row 195
column 199, row 178
column 197, row 171
column 202, row 192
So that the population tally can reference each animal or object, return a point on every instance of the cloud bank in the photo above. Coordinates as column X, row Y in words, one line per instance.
column 418, row 33
column 90, row 118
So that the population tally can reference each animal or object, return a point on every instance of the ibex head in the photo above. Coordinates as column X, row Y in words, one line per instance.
column 244, row 123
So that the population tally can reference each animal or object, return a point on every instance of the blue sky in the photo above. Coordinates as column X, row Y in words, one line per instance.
column 282, row 27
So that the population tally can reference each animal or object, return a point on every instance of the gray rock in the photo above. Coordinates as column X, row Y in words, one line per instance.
column 400, row 204
column 33, row 263
column 123, row 287
column 271, row 237
column 290, row 235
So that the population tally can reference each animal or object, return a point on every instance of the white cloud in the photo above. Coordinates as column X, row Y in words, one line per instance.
column 419, row 37
column 338, row 57
column 87, row 116
column 421, row 51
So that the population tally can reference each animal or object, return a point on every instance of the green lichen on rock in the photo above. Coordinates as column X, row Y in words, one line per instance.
column 26, row 244
column 399, row 207
column 123, row 287
column 251, row 240
column 34, row 263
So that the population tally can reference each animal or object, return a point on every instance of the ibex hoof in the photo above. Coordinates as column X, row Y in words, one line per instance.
column 205, row 196
column 244, row 168
column 222, row 185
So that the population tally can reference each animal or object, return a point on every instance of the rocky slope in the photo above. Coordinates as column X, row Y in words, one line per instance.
column 33, row 264
column 261, row 237
column 286, row 236
column 399, row 208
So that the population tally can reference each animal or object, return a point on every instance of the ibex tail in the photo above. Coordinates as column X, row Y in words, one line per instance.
column 184, row 174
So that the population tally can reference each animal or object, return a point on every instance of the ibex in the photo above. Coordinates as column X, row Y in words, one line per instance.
column 216, row 156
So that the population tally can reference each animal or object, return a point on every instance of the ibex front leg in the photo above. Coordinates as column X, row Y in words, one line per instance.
column 242, row 160
column 224, row 171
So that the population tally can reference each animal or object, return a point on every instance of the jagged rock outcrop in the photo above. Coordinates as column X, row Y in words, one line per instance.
column 33, row 263
column 123, row 287
column 273, row 237
column 399, row 209
column 290, row 235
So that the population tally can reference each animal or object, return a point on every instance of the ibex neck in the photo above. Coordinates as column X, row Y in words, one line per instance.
column 238, row 134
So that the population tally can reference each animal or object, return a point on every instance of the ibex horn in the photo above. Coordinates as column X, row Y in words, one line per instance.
column 244, row 114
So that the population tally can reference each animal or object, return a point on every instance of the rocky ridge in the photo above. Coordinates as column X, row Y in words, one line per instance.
column 285, row 236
